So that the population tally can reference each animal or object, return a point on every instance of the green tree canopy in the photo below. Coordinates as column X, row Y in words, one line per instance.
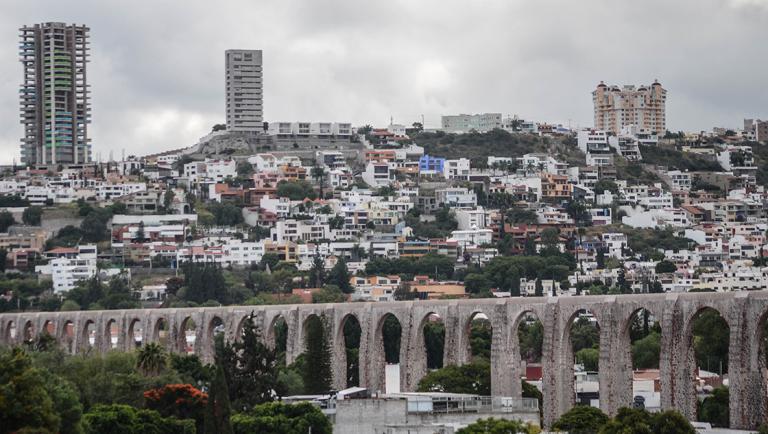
column 474, row 378
column 317, row 376
column 581, row 419
column 6, row 221
column 277, row 417
column 295, row 190
column 123, row 419
column 24, row 400
column 497, row 426
column 32, row 215
column 715, row 408
column 339, row 276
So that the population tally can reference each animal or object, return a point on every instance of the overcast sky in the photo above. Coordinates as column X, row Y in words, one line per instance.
column 156, row 70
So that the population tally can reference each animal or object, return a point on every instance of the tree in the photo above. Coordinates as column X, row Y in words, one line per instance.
column 254, row 379
column 182, row 401
column 589, row 357
column 140, row 235
column 665, row 267
column 539, row 288
column 531, row 338
column 328, row 294
column 217, row 410
column 473, row 377
column 581, row 419
column 124, row 419
column 340, row 276
column 168, row 200
column 434, row 341
column 244, row 168
column 32, row 215
column 318, row 174
column 477, row 283
column 6, row 221
column 600, row 259
column 584, row 334
column 295, row 190
column 671, row 422
column 629, row 420
column 317, row 373
column 151, row 359
column 93, row 228
column 204, row 282
column 3, row 259
column 711, row 341
column 66, row 402
column 645, row 351
column 550, row 238
column 604, row 185
column 497, row 426
column 715, row 409
column 317, row 272
column 24, row 401
column 277, row 417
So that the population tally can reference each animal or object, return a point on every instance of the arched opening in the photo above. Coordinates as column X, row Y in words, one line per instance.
column 480, row 334
column 317, row 372
column 88, row 337
column 10, row 333
column 277, row 338
column 111, row 334
column 644, row 350
column 352, row 331
column 530, row 339
column 584, row 336
column 135, row 334
column 434, row 340
column 187, row 336
column 709, row 339
column 215, row 328
column 161, row 333
column 49, row 328
column 68, row 337
column 389, row 336
column 29, row 332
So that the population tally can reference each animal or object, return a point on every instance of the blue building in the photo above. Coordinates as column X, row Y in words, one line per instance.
column 428, row 164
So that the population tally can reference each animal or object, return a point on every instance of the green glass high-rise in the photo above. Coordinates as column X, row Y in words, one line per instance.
column 55, row 106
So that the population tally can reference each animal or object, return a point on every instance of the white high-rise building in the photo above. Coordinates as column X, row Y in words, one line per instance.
column 244, row 90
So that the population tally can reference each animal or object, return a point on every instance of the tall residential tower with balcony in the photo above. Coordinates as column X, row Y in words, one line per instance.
column 643, row 107
column 55, row 107
column 244, row 90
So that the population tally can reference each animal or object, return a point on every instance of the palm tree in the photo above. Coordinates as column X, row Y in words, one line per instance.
column 318, row 173
column 150, row 359
column 530, row 167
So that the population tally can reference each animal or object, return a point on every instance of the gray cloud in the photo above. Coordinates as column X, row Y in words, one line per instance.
column 157, row 66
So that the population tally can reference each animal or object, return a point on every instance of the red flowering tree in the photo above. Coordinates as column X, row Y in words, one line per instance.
column 178, row 400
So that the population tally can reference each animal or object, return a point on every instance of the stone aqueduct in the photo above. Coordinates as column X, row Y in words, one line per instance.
column 745, row 313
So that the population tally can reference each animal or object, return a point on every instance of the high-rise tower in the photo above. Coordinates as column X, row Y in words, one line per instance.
column 643, row 107
column 55, row 107
column 244, row 87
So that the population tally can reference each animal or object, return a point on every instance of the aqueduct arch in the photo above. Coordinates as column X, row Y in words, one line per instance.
column 745, row 313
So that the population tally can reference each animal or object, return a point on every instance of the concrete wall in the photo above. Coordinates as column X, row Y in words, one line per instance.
column 745, row 313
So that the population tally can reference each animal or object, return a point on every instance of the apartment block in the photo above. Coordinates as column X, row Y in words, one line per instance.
column 464, row 123
column 54, row 94
column 244, row 88
column 617, row 107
